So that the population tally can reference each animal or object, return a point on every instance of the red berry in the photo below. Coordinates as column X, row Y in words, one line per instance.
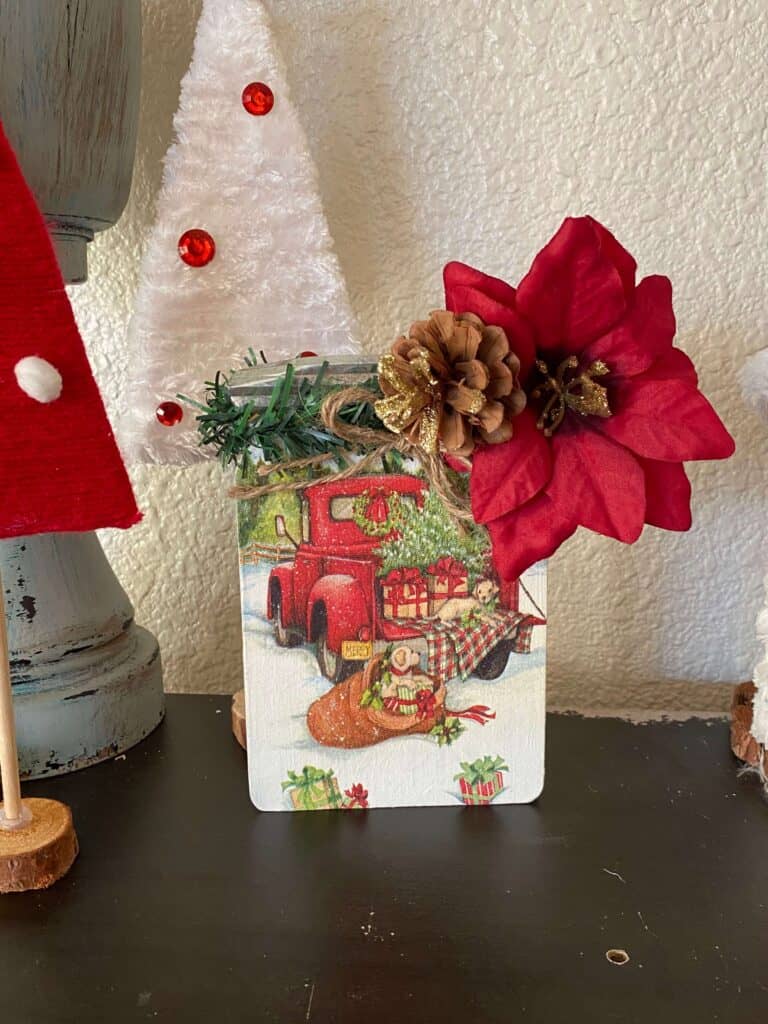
column 307, row 354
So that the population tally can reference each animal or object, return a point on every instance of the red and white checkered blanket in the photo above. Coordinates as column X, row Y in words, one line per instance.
column 453, row 650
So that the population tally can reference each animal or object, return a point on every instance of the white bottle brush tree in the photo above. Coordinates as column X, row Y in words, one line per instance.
column 240, row 258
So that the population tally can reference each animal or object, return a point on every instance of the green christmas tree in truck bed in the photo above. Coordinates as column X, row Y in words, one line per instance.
column 430, row 533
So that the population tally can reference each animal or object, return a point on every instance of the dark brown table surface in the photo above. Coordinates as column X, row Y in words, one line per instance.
column 188, row 905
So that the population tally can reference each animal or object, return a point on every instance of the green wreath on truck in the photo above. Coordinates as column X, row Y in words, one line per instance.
column 377, row 513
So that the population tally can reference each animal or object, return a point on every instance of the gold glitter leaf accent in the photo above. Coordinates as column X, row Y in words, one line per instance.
column 412, row 398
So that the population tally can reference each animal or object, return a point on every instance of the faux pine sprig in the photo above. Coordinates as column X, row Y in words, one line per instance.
column 288, row 428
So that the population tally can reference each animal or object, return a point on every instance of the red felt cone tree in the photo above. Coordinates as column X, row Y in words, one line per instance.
column 60, row 468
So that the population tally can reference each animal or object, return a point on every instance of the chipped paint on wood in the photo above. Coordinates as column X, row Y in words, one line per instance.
column 87, row 681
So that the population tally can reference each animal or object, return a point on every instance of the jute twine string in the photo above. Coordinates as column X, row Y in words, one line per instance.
column 380, row 442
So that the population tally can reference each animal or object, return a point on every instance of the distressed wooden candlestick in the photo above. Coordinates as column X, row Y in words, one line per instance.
column 37, row 838
column 87, row 680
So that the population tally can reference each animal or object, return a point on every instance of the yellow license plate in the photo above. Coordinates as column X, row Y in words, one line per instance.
column 356, row 650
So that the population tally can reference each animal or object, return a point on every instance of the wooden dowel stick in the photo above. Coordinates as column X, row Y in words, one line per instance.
column 9, row 759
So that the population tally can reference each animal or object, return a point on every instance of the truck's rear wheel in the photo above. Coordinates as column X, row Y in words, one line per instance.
column 332, row 665
column 495, row 661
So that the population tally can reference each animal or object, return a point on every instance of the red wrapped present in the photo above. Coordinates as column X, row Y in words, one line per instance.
column 405, row 594
column 481, row 780
column 447, row 577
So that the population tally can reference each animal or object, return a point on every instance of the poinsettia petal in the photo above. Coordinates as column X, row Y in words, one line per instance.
column 505, row 476
column 666, row 418
column 673, row 365
column 623, row 261
column 470, row 291
column 576, row 289
column 533, row 532
column 460, row 275
column 667, row 495
column 598, row 481
column 644, row 334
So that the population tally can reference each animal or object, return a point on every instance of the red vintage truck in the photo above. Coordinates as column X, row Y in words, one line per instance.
column 330, row 595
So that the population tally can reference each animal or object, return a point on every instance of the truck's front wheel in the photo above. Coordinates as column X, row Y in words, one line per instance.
column 284, row 637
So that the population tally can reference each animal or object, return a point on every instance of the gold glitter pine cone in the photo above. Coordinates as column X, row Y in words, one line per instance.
column 452, row 381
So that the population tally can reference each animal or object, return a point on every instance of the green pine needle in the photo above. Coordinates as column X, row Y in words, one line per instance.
column 288, row 428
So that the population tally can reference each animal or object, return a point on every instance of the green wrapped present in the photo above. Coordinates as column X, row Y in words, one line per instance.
column 313, row 790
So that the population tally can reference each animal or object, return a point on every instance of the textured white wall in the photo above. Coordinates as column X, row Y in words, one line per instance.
column 458, row 129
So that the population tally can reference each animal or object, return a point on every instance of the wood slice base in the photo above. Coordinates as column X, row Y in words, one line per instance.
column 238, row 718
column 40, row 852
column 743, row 743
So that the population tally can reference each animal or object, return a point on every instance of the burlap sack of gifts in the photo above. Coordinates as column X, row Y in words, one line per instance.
column 337, row 720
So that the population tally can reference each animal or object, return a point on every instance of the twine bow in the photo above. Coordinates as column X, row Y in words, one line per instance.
column 379, row 443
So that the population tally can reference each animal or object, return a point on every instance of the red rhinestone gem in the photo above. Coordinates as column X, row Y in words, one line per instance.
column 307, row 354
column 169, row 414
column 258, row 99
column 196, row 247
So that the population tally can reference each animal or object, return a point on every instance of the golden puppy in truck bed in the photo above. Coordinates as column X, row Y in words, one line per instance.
column 483, row 594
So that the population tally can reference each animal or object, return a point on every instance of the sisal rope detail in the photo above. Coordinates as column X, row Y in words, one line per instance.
column 381, row 442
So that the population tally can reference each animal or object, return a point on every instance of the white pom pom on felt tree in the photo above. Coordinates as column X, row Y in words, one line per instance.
column 38, row 378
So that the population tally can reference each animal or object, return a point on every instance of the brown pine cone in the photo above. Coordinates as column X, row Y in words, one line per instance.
column 475, row 391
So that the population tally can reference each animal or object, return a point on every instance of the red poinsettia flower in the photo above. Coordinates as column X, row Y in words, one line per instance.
column 613, row 408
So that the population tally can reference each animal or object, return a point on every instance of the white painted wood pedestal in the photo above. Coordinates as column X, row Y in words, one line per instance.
column 86, row 680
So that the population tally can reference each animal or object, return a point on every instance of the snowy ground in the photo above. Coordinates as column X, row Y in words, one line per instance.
column 412, row 770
